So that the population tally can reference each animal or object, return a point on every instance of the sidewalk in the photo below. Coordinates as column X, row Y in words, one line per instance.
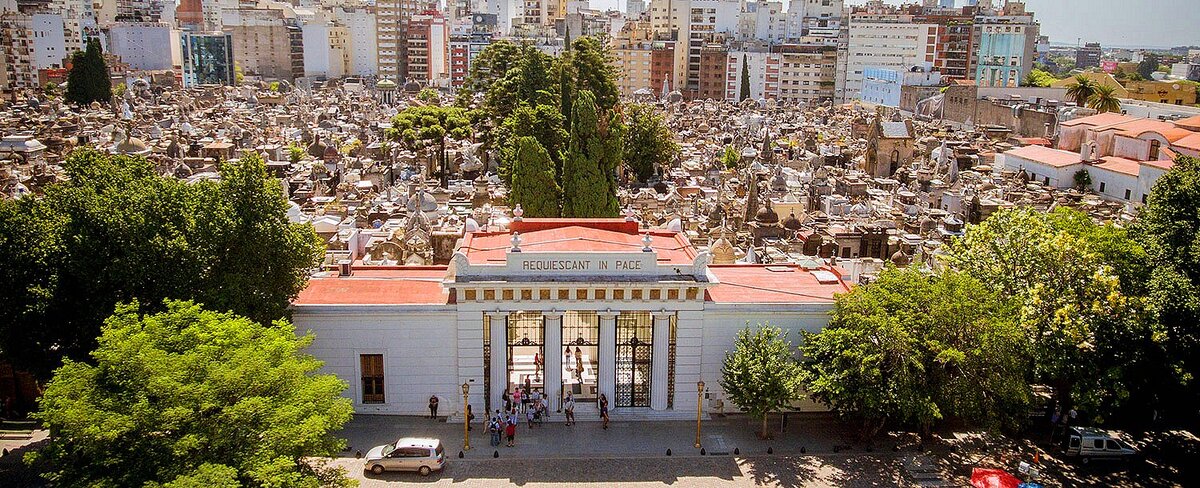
column 806, row 433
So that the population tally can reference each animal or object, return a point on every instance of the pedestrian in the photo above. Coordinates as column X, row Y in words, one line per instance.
column 537, row 365
column 536, row 398
column 507, row 401
column 569, row 408
column 530, row 413
column 525, row 396
column 433, row 404
column 470, row 417
column 604, row 410
column 510, row 429
column 516, row 397
column 570, row 364
column 579, row 363
column 494, row 429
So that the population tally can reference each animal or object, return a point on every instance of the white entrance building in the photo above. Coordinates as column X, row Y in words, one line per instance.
column 591, row 307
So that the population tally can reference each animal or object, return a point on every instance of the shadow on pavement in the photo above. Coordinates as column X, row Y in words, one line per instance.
column 797, row 471
column 567, row 471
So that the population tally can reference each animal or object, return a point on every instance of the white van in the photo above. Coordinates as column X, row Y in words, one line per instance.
column 407, row 454
column 1091, row 443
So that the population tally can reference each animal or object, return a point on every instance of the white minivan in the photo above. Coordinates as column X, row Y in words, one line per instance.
column 1091, row 443
column 408, row 454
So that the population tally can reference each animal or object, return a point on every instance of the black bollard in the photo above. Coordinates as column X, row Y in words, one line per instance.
column 460, row 454
column 770, row 450
column 736, row 451
column 803, row 450
column 358, row 455
column 668, row 452
column 702, row 452
column 495, row 454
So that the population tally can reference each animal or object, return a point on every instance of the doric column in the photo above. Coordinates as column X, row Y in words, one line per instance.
column 660, row 360
column 607, row 380
column 499, row 373
column 552, row 358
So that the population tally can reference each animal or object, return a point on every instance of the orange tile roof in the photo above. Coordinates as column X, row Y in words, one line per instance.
column 1190, row 142
column 1135, row 128
column 1119, row 165
column 1165, row 165
column 1192, row 123
column 378, row 286
column 753, row 283
column 1057, row 158
column 492, row 247
column 1099, row 120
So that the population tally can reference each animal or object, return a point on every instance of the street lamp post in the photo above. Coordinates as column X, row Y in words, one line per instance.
column 699, row 409
column 466, row 389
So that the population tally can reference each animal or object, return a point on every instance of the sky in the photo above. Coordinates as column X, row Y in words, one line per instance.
column 1127, row 23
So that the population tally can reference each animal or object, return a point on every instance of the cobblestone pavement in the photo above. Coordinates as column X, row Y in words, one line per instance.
column 708, row 471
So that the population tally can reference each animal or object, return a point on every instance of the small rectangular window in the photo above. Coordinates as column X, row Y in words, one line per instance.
column 372, row 377
column 1127, row 193
column 1101, row 186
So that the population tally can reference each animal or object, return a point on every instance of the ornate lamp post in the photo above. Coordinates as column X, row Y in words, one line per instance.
column 466, row 389
column 699, row 409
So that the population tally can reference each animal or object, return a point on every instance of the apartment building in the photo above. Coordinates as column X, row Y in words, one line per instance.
column 1004, row 43
column 392, row 21
column 266, row 42
column 886, row 41
column 807, row 74
column 427, row 45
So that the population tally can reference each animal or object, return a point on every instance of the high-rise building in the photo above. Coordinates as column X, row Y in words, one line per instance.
column 16, row 54
column 1004, row 45
column 1088, row 56
column 428, row 48
column 635, row 8
column 207, row 58
column 141, row 45
column 886, row 41
column 49, row 41
column 392, row 19
column 266, row 42
column 360, row 26
column 807, row 73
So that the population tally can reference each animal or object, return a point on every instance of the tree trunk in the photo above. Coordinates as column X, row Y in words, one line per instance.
column 445, row 179
column 765, row 433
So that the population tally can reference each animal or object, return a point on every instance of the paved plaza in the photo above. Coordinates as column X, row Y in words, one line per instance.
column 634, row 454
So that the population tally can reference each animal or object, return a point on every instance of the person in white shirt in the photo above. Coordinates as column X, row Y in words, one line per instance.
column 569, row 408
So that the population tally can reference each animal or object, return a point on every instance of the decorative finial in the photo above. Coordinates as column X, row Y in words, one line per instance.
column 518, row 212
column 516, row 242
column 629, row 213
column 646, row 243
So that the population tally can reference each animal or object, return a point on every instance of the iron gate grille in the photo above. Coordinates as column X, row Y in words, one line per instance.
column 634, row 347
column 671, row 367
column 487, row 363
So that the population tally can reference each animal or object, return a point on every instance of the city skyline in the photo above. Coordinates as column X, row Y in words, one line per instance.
column 1108, row 21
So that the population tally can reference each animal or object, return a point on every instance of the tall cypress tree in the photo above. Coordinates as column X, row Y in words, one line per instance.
column 89, row 79
column 566, row 82
column 589, row 168
column 533, row 183
column 745, row 91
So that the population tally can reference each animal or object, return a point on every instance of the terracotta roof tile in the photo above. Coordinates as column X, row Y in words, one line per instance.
column 1057, row 158
column 750, row 283
column 379, row 286
column 1119, row 165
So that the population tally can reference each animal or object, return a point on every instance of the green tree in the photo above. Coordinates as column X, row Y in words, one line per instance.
column 1083, row 180
column 592, row 64
column 534, row 187
column 1148, row 66
column 296, row 153
column 544, row 123
column 1040, row 78
column 730, row 156
column 89, row 81
column 190, row 396
column 761, row 374
column 649, row 143
column 1081, row 90
column 590, row 164
column 419, row 127
column 116, row 231
column 912, row 349
column 1104, row 100
column 1169, row 228
column 744, row 92
column 429, row 96
column 1071, row 299
column 488, row 67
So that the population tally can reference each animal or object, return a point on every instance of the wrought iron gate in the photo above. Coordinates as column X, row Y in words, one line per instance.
column 634, row 349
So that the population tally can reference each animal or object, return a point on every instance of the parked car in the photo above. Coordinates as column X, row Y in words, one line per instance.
column 1091, row 443
column 408, row 454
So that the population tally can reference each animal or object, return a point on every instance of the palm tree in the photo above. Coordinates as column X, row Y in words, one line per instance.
column 1081, row 90
column 1103, row 100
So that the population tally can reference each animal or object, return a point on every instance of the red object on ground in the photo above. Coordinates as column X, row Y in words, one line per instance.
column 993, row 478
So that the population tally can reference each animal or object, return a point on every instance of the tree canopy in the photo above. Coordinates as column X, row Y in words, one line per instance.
column 430, row 125
column 649, row 143
column 913, row 348
column 544, row 123
column 116, row 231
column 761, row 374
column 190, row 397
column 89, row 81
column 1081, row 90
column 533, row 184
column 590, row 164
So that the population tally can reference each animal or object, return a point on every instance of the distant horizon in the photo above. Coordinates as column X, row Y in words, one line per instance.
column 1173, row 21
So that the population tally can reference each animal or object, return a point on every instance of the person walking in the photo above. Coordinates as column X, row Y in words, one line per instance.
column 470, row 417
column 516, row 397
column 433, row 404
column 604, row 410
column 579, row 363
column 569, row 408
column 537, row 365
column 510, row 429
